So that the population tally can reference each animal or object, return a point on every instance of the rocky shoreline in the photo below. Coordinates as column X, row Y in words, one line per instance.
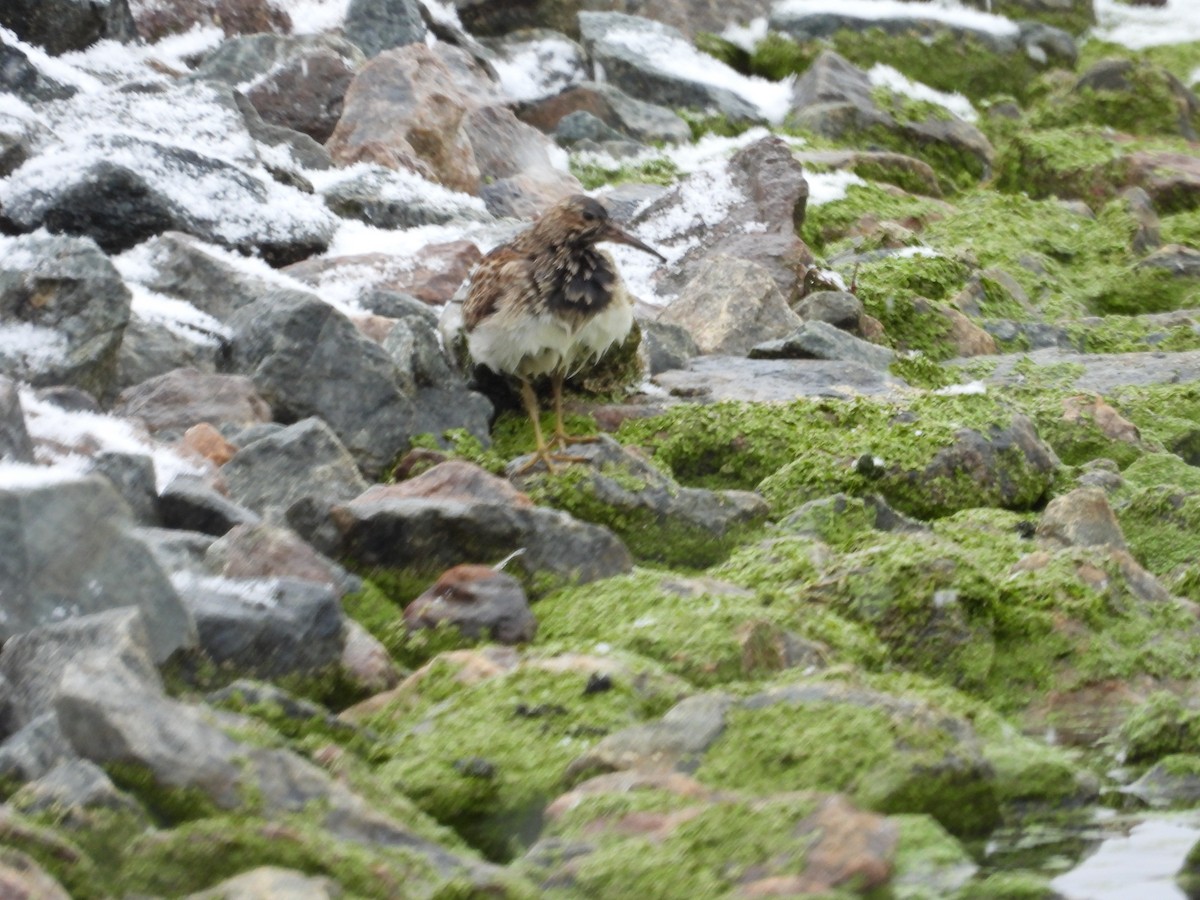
column 886, row 560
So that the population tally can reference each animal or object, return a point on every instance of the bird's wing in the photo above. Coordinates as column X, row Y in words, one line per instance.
column 589, row 281
column 500, row 277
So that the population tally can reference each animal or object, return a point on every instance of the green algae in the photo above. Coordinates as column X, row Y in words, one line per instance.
column 930, row 862
column 1160, row 726
column 485, row 758
column 1075, row 162
column 827, row 224
column 1009, row 886
column 1181, row 59
column 593, row 174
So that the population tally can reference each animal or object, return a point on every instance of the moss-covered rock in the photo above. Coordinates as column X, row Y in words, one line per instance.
column 1064, row 162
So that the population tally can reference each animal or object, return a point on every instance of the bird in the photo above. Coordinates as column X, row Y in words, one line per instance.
column 549, row 302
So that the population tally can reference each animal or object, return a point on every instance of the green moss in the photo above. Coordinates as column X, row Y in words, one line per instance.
column 1130, row 334
column 167, row 804
column 1080, row 441
column 712, row 123
column 777, row 56
column 719, row 48
column 828, row 223
column 1064, row 162
column 593, row 174
column 930, row 862
column 897, row 291
column 485, row 758
column 1180, row 59
column 1160, row 726
column 920, row 371
column 887, row 760
column 1162, row 527
column 60, row 857
column 1009, row 886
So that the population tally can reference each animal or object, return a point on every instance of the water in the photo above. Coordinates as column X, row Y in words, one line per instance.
column 1138, row 858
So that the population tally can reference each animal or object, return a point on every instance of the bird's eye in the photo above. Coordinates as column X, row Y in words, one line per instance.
column 589, row 216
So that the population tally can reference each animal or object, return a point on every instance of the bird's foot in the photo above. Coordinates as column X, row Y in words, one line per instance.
column 563, row 440
column 548, row 459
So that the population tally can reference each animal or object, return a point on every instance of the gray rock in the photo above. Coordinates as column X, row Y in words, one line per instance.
column 267, row 627
column 378, row 529
column 308, row 359
column 72, row 785
column 185, row 267
column 396, row 199
column 272, row 883
column 1147, row 237
column 59, row 26
column 305, row 460
column 1082, row 518
column 630, row 70
column 189, row 503
column 667, row 346
column 378, row 25
column 132, row 474
column 838, row 308
column 123, row 189
column 630, row 117
column 22, row 876
column 15, row 444
column 1180, row 261
column 731, row 378
column 730, row 306
column 477, row 600
column 73, row 305
column 33, row 749
column 21, row 76
column 175, row 401
column 641, row 504
column 177, row 550
column 1166, row 785
column 1102, row 372
column 150, row 349
column 248, row 58
column 72, row 552
column 819, row 340
column 764, row 199
column 583, row 126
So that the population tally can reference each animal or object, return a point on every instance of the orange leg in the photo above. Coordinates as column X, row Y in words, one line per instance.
column 542, row 450
column 560, row 432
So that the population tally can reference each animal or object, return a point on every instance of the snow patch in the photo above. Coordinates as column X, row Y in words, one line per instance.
column 948, row 12
column 887, row 77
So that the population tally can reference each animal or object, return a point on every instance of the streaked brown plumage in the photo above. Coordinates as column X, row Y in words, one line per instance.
column 549, row 302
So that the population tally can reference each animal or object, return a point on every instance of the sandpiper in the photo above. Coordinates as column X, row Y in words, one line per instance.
column 548, row 303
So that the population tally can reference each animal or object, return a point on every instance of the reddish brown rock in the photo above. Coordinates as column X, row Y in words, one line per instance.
column 432, row 275
column 477, row 600
column 264, row 551
column 1110, row 422
column 182, row 398
column 452, row 480
column 306, row 93
column 204, row 440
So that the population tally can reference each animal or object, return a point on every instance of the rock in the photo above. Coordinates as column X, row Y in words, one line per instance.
column 837, row 308
column 1172, row 180
column 617, row 44
column 378, row 25
column 23, row 879
column 818, row 340
column 124, row 189
column 1115, row 82
column 59, row 26
column 34, row 748
column 1082, row 518
column 366, row 661
column 177, row 400
column 272, row 883
column 627, row 116
column 73, row 553
column 1180, row 261
column 133, row 477
column 731, row 305
column 517, row 175
column 388, row 198
column 1170, row 782
column 15, row 445
column 433, row 274
column 150, row 349
column 205, row 442
column 480, row 602
column 307, row 359
column 1147, row 237
column 752, row 211
column 715, row 378
column 1101, row 373
column 656, row 517
column 164, row 17
column 264, row 551
column 535, row 63
column 888, row 166
column 388, row 526
column 28, row 80
column 188, row 503
column 268, row 627
column 69, row 307
column 667, row 346
column 305, row 461
column 390, row 117
column 72, row 786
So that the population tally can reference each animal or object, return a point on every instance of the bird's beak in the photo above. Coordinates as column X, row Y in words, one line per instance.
column 620, row 236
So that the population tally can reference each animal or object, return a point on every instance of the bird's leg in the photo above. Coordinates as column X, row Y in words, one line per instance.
column 560, row 432
column 542, row 450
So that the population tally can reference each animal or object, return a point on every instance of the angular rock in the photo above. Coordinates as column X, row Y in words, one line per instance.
column 667, row 346
column 433, row 274
column 730, row 306
column 389, row 198
column 189, row 503
column 628, row 116
column 1082, row 518
column 752, row 210
column 71, row 786
column 386, row 528
column 150, row 349
column 263, row 551
column 123, row 189
column 132, row 474
column 378, row 25
column 272, row 883
column 15, row 445
column 179, row 399
column 616, row 43
column 718, row 378
column 819, row 340
column 64, row 309
column 477, row 600
column 23, row 879
column 656, row 517
column 536, row 63
column 59, row 26
column 1105, row 371
column 1180, row 261
column 888, row 166
column 405, row 109
column 33, row 749
column 23, row 77
column 1172, row 180
column 305, row 461
column 307, row 359
column 266, row 627
column 72, row 552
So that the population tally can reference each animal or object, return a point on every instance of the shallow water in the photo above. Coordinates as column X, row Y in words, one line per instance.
column 1138, row 858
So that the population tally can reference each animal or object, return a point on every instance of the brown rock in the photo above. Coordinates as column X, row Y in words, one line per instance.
column 1110, row 422
column 479, row 601
column 1082, row 518
column 21, row 878
column 366, row 660
column 306, row 93
column 432, row 275
column 1171, row 179
column 453, row 480
column 265, row 551
column 181, row 398
column 967, row 338
column 204, row 440
column 251, row 17
column 404, row 101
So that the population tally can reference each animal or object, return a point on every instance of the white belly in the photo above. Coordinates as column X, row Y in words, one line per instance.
column 526, row 346
column 599, row 333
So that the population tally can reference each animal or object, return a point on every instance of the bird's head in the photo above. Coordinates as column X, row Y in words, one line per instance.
column 580, row 220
